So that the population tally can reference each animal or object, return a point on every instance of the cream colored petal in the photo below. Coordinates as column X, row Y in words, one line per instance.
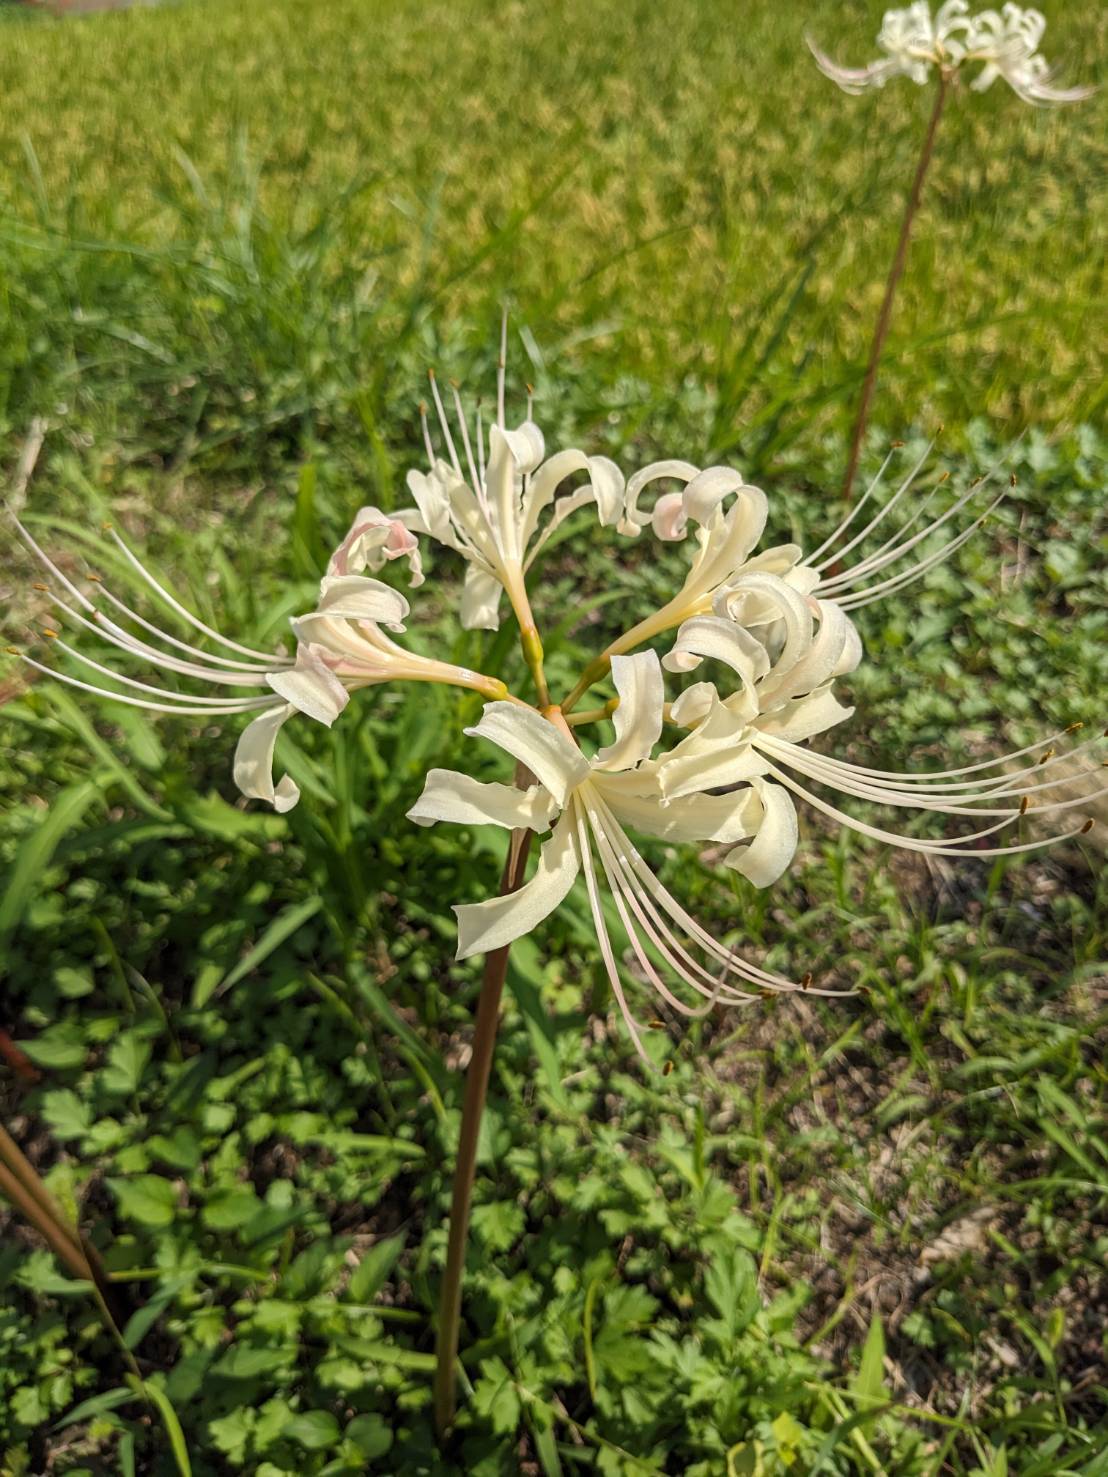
column 355, row 597
column 464, row 801
column 802, row 718
column 773, row 848
column 638, row 718
column 480, row 610
column 720, row 640
column 632, row 519
column 693, row 705
column 553, row 759
column 501, row 479
column 483, row 927
column 707, row 490
column 253, row 767
column 311, row 686
column 694, row 817
column 429, row 490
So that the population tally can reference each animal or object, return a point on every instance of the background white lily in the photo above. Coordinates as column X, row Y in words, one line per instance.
column 1004, row 42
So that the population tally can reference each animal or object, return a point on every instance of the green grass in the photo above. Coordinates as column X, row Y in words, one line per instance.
column 247, row 1028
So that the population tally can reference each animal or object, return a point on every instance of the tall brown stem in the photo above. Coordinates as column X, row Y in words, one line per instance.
column 895, row 273
column 473, row 1107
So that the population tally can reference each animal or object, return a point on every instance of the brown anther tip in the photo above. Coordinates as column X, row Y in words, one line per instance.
column 896, row 445
column 106, row 527
column 1012, row 479
column 95, row 578
column 38, row 586
column 431, row 374
column 944, row 478
column 939, row 429
column 656, row 1025
column 1045, row 758
column 668, row 1068
column 530, row 389
column 1073, row 728
column 1086, row 828
column 455, row 384
column 806, row 981
column 1025, row 805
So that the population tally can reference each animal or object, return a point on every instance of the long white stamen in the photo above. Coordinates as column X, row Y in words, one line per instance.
column 107, row 630
column 874, row 563
column 181, row 610
column 502, row 369
column 460, row 412
column 604, row 941
column 854, row 600
column 881, row 514
column 912, row 844
column 248, row 706
column 444, row 424
column 233, row 663
column 852, row 514
column 480, row 447
column 428, row 444
column 231, row 704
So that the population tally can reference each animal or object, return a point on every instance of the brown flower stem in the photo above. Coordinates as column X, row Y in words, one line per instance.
column 473, row 1107
column 895, row 273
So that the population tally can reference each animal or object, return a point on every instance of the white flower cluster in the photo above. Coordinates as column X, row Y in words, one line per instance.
column 721, row 760
column 1004, row 43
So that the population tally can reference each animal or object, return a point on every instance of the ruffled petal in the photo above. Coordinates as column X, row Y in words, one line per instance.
column 638, row 718
column 464, row 801
column 720, row 640
column 724, row 818
column 802, row 718
column 483, row 927
column 253, row 766
column 311, row 686
column 481, row 593
column 429, row 489
column 354, row 597
column 527, row 736
column 774, row 846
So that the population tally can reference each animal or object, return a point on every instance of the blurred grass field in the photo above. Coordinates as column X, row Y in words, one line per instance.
column 233, row 237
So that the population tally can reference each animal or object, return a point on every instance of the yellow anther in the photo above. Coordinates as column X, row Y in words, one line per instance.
column 1045, row 758
column 656, row 1025
column 1012, row 480
column 95, row 578
column 668, row 1068
column 13, row 650
column 1025, row 805
column 896, row 445
column 1074, row 727
column 107, row 527
column 38, row 586
column 944, row 478
column 53, row 635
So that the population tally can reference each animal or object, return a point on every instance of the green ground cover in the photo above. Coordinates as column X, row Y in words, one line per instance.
column 847, row 1237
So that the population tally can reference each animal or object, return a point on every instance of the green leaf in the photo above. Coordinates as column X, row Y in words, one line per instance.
column 525, row 980
column 66, row 1115
column 372, row 1272
column 314, row 1429
column 147, row 1199
column 58, row 1048
column 282, row 927
column 370, row 1435
column 495, row 1397
column 127, row 1059
column 246, row 1362
column 869, row 1383
column 160, row 1399
column 35, row 851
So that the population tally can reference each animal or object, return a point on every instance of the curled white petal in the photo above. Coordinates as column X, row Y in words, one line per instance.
column 773, row 848
column 527, row 736
column 490, row 925
column 481, row 591
column 638, row 717
column 463, row 801
column 253, row 766
column 311, row 686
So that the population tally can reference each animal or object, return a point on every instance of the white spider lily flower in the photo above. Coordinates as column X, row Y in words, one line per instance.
column 1004, row 42
column 374, row 539
column 765, row 633
column 490, row 511
column 591, row 805
column 341, row 647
